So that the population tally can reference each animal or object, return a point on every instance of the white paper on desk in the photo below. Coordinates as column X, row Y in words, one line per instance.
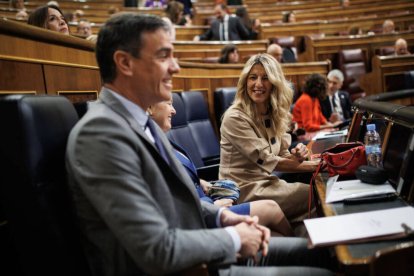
column 359, row 226
column 328, row 134
column 340, row 190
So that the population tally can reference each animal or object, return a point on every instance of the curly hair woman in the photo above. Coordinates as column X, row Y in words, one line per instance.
column 254, row 142
column 307, row 112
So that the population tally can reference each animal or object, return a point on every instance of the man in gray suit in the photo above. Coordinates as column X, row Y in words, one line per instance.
column 137, row 207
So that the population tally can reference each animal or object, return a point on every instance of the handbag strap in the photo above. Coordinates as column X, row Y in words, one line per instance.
column 354, row 150
column 311, row 188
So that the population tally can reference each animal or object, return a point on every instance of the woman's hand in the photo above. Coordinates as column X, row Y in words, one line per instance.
column 224, row 202
column 205, row 186
column 300, row 152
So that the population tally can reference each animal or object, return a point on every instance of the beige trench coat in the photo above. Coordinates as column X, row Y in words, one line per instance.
column 249, row 157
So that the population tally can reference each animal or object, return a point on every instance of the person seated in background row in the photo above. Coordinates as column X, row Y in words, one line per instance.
column 337, row 105
column 136, row 206
column 113, row 10
column 174, row 15
column 175, row 12
column 229, row 54
column 77, row 15
column 252, row 25
column 268, row 211
column 224, row 27
column 21, row 13
column 344, row 3
column 307, row 110
column 388, row 27
column 401, row 47
column 255, row 143
column 276, row 51
column 355, row 30
column 49, row 17
column 84, row 28
column 282, row 55
column 289, row 17
column 188, row 8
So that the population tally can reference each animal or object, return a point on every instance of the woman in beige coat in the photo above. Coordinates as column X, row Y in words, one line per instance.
column 254, row 142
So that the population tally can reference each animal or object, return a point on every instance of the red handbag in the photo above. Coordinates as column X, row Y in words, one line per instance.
column 343, row 159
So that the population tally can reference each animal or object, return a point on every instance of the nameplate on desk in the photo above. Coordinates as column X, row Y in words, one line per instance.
column 361, row 227
column 352, row 189
column 322, row 135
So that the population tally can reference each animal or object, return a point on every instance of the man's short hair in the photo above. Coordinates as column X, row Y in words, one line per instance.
column 123, row 32
column 337, row 74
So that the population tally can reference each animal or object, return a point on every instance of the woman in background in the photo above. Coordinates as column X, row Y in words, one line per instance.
column 174, row 15
column 307, row 111
column 229, row 54
column 252, row 25
column 268, row 211
column 49, row 17
column 254, row 143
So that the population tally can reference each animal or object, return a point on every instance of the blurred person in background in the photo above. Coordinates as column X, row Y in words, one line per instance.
column 49, row 17
column 401, row 47
column 229, row 54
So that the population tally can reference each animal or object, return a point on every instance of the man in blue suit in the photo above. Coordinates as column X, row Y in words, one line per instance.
column 137, row 207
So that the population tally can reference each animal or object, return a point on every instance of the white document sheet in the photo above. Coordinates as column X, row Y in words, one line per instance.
column 328, row 134
column 340, row 190
column 360, row 226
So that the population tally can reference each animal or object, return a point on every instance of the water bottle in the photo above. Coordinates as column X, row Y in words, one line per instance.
column 373, row 146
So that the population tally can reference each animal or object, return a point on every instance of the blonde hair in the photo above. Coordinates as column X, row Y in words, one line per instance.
column 280, row 97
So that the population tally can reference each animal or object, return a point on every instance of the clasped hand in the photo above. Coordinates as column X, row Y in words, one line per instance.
column 253, row 236
column 300, row 152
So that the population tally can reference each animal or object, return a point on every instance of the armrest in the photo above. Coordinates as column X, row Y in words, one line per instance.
column 208, row 173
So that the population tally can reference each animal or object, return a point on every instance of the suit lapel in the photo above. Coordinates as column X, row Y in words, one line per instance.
column 175, row 167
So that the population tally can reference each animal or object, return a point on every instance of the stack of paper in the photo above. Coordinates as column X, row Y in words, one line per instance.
column 329, row 134
column 340, row 190
column 360, row 227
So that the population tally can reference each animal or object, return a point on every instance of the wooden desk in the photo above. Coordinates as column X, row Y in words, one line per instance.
column 387, row 74
column 355, row 259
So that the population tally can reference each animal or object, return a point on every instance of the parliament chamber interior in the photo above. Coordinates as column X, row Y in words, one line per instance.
column 37, row 232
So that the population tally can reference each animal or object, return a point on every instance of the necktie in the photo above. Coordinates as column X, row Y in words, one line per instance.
column 333, row 104
column 157, row 140
column 222, row 31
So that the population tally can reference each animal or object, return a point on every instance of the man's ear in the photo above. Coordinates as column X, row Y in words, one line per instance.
column 123, row 62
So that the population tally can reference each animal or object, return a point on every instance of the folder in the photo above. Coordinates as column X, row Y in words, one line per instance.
column 350, row 189
column 361, row 227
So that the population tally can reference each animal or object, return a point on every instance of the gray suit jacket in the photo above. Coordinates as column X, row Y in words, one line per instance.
column 137, row 213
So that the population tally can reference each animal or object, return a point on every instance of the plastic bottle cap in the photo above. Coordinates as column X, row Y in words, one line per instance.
column 371, row 127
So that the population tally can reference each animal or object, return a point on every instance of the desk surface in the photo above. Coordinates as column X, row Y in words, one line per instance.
column 356, row 257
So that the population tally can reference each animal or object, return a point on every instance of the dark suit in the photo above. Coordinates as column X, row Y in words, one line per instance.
column 236, row 30
column 139, row 214
column 345, row 102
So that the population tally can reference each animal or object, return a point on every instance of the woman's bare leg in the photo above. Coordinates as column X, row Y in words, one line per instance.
column 270, row 215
